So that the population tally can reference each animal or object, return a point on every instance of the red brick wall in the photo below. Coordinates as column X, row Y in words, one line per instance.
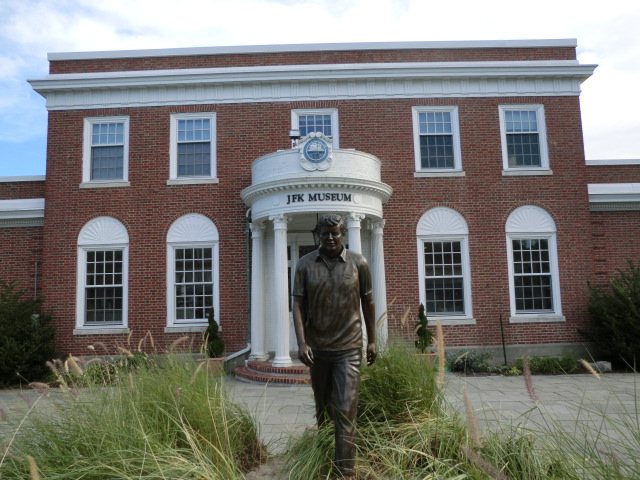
column 381, row 127
column 310, row 58
column 21, row 247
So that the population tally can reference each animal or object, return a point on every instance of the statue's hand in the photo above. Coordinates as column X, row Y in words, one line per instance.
column 371, row 353
column 305, row 354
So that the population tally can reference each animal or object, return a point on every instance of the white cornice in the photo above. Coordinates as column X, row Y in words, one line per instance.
column 25, row 208
column 26, row 178
column 614, row 196
column 613, row 162
column 312, row 47
column 312, row 82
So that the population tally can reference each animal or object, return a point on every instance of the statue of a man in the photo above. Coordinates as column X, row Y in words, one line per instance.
column 331, row 286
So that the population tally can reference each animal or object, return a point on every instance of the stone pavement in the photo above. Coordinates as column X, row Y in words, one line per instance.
column 567, row 400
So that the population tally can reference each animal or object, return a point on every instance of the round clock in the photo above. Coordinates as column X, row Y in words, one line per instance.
column 316, row 150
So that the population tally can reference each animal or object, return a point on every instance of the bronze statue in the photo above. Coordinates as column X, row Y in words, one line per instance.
column 331, row 285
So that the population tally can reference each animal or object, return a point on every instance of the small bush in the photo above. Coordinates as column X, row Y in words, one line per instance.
column 551, row 365
column 470, row 362
column 25, row 337
column 615, row 313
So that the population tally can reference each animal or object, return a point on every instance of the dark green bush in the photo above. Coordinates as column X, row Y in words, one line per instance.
column 26, row 337
column 470, row 362
column 615, row 314
column 551, row 365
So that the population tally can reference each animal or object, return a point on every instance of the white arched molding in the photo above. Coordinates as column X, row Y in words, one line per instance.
column 445, row 277
column 532, row 259
column 192, row 234
column 102, row 278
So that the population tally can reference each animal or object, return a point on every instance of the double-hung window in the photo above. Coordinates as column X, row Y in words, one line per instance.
column 105, row 150
column 436, row 139
column 102, row 285
column 193, row 147
column 534, row 283
column 316, row 120
column 443, row 262
column 192, row 271
column 524, row 142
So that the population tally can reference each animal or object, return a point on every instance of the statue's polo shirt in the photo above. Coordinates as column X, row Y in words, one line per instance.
column 332, row 294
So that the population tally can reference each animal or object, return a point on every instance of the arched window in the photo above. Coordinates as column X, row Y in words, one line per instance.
column 103, row 265
column 192, row 271
column 444, row 268
column 534, row 281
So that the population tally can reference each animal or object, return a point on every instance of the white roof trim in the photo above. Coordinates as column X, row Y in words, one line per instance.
column 312, row 82
column 614, row 196
column 312, row 47
column 612, row 163
column 22, row 208
column 29, row 178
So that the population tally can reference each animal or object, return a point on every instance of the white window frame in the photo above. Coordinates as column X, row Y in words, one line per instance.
column 532, row 222
column 333, row 112
column 544, row 168
column 456, row 170
column 87, row 182
column 174, row 179
column 101, row 234
column 442, row 224
column 191, row 231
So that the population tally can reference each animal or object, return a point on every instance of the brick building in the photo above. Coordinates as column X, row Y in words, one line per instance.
column 176, row 182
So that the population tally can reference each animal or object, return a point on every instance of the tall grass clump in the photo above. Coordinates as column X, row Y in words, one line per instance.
column 164, row 419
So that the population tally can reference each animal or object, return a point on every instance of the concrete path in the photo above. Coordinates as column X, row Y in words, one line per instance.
column 568, row 400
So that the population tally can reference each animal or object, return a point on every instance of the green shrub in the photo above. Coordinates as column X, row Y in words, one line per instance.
column 26, row 337
column 214, row 343
column 551, row 365
column 615, row 314
column 425, row 336
column 470, row 362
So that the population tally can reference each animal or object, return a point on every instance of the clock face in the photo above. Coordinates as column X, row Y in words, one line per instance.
column 316, row 151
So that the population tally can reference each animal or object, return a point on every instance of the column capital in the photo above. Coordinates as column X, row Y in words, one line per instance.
column 257, row 228
column 355, row 217
column 280, row 221
column 378, row 226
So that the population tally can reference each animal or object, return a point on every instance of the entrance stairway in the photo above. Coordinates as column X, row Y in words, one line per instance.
column 265, row 372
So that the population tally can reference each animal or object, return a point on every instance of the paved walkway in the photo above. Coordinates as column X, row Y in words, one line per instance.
column 567, row 400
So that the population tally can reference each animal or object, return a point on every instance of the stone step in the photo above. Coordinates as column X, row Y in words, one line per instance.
column 265, row 372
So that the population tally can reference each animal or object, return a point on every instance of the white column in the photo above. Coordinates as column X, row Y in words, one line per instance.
column 353, row 225
column 379, row 283
column 281, row 291
column 258, row 352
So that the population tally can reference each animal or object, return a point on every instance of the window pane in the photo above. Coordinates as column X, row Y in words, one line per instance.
column 107, row 163
column 103, row 289
column 523, row 150
column 436, row 151
column 532, row 277
column 193, row 283
column 444, row 283
column 315, row 123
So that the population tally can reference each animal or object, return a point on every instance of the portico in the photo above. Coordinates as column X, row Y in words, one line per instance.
column 289, row 189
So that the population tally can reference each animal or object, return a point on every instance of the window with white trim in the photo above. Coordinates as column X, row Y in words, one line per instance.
column 436, row 139
column 102, row 298
column 105, row 150
column 534, row 283
column 192, row 271
column 311, row 120
column 444, row 267
column 193, row 146
column 524, row 139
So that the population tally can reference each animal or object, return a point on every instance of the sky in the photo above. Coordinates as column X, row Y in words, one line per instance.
column 608, row 34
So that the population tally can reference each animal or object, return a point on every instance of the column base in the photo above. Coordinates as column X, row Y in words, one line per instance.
column 258, row 357
column 282, row 361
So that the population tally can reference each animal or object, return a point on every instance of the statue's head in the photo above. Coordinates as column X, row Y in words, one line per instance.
column 331, row 220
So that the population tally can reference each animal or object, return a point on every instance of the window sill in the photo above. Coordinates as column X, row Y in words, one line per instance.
column 526, row 173
column 453, row 173
column 540, row 318
column 445, row 321
column 115, row 330
column 104, row 184
column 185, row 329
column 192, row 181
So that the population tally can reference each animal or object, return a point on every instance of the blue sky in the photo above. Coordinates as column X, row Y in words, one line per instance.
column 607, row 33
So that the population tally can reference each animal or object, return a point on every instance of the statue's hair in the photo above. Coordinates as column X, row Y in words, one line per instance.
column 331, row 220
